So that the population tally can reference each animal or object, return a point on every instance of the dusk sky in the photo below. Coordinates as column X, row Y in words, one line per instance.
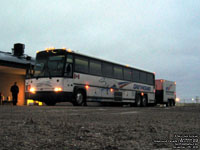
column 161, row 36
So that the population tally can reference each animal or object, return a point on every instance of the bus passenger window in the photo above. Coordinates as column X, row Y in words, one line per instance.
column 127, row 74
column 150, row 79
column 118, row 74
column 95, row 67
column 107, row 70
column 143, row 78
column 136, row 76
column 81, row 64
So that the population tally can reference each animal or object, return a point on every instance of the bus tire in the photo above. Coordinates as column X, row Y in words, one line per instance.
column 173, row 102
column 167, row 103
column 155, row 103
column 144, row 101
column 80, row 98
column 170, row 103
column 132, row 104
column 138, row 100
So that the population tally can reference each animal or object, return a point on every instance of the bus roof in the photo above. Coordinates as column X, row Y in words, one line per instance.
column 93, row 57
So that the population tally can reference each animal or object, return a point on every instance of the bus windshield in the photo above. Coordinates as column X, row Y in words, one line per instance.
column 49, row 66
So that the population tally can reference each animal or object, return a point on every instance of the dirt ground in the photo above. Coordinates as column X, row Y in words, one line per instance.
column 99, row 128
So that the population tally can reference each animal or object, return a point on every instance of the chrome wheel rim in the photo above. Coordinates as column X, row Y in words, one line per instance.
column 138, row 101
column 79, row 98
column 144, row 101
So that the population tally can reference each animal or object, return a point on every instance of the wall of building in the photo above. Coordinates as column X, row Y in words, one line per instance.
column 7, row 80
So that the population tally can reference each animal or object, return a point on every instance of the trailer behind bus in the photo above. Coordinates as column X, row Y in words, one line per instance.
column 165, row 92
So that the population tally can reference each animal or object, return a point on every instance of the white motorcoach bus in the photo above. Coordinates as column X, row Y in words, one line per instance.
column 61, row 75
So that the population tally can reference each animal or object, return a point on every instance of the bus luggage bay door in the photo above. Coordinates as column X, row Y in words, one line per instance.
column 118, row 96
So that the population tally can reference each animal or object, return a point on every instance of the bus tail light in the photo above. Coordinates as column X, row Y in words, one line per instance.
column 111, row 90
column 142, row 94
column 57, row 89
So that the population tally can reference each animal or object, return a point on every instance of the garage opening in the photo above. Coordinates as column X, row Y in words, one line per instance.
column 9, row 75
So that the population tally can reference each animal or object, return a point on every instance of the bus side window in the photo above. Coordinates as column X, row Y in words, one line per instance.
column 136, row 76
column 150, row 79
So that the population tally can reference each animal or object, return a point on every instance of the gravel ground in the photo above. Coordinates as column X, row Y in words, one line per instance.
column 99, row 128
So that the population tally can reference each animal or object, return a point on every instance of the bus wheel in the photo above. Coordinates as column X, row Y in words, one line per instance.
column 173, row 102
column 170, row 102
column 167, row 103
column 138, row 100
column 79, row 98
column 144, row 101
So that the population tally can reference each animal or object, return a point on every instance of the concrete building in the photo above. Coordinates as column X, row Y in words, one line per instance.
column 13, row 67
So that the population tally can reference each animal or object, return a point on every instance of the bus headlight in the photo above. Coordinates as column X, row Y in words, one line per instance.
column 57, row 89
column 32, row 90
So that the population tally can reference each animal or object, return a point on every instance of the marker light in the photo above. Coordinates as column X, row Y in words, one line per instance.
column 163, row 81
column 69, row 50
column 127, row 65
column 111, row 90
column 46, row 49
column 32, row 90
column 87, row 87
column 49, row 49
column 57, row 89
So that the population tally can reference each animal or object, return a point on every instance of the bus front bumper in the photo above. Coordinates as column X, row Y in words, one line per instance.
column 49, row 95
